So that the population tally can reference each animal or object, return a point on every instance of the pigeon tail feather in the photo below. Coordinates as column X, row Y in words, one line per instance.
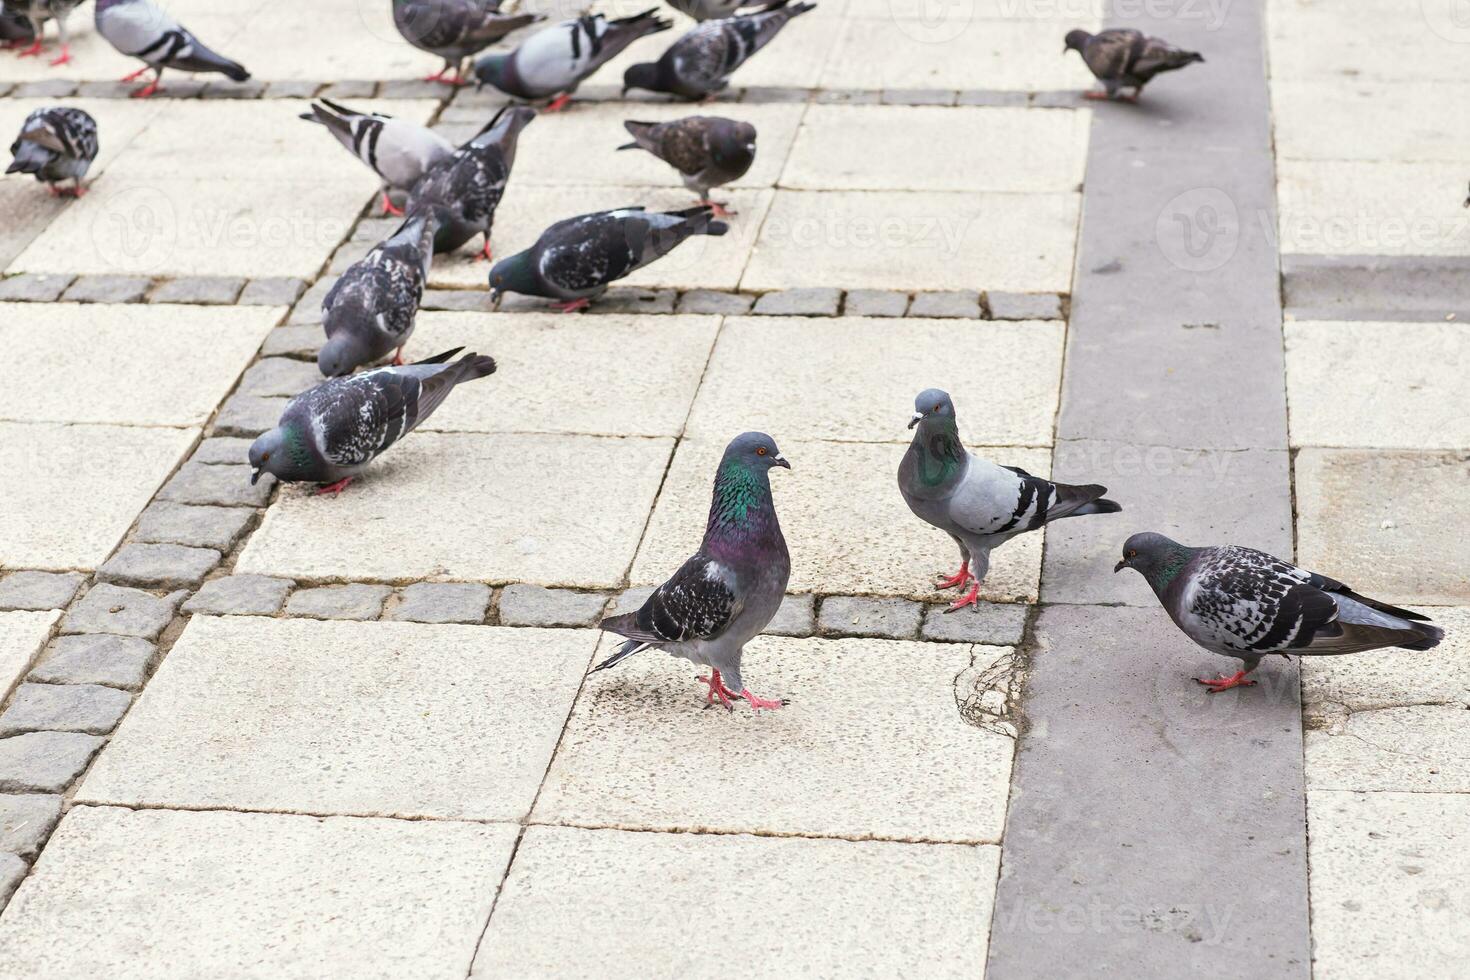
column 1101, row 505
column 622, row 653
column 1429, row 637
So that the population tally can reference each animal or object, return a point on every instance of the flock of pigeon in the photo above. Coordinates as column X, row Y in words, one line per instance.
column 1230, row 600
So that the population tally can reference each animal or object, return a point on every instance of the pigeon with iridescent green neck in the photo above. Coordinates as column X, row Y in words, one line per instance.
column 1247, row 604
column 722, row 597
column 980, row 504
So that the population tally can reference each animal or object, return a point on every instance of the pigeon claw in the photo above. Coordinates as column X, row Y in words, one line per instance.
column 334, row 488
column 145, row 91
column 958, row 578
column 1218, row 684
column 484, row 253
column 31, row 52
column 718, row 209
column 134, row 76
column 558, row 103
column 757, row 703
column 1096, row 96
column 65, row 57
column 390, row 208
column 572, row 306
column 717, row 689
column 968, row 599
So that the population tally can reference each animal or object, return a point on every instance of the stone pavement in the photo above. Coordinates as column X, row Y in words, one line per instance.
column 247, row 731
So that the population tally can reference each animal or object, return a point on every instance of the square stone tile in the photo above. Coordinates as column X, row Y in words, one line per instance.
column 701, row 262
column 555, row 149
column 362, row 43
column 916, row 241
column 1357, row 119
column 81, row 489
column 113, row 364
column 991, row 149
column 161, row 894
column 531, row 349
column 22, row 635
column 1401, row 373
column 552, row 510
column 1387, row 523
column 1332, row 207
column 846, row 525
column 894, row 908
column 886, row 363
column 1371, row 41
column 1387, row 886
column 264, row 714
column 822, row 765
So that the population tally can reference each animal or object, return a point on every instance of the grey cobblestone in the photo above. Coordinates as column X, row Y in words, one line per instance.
column 963, row 304
column 88, row 708
column 226, row 485
column 198, row 527
column 1057, row 100
column 714, row 301
column 280, row 376
column 95, row 658
column 222, row 449
column 44, row 762
column 271, row 292
column 442, row 602
column 992, row 98
column 159, row 566
column 410, row 88
column 352, row 88
column 308, row 308
column 129, row 612
column 843, row 615
column 298, row 340
column 761, row 94
column 356, row 602
column 219, row 88
column 796, row 617
column 34, row 287
column 848, row 97
column 107, row 289
column 240, row 595
column 995, row 623
column 874, row 302
column 457, row 300
column 532, row 605
column 26, row 820
column 1024, row 306
column 12, row 873
column 248, row 415
column 39, row 590
column 178, row 86
column 630, row 600
column 51, row 88
column 291, row 88
column 815, row 301
column 207, row 290
column 105, row 90
column 627, row 299
column 930, row 96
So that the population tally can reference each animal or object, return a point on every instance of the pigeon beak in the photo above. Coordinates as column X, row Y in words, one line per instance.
column 1122, row 564
column 495, row 295
column 918, row 417
column 254, row 477
column 780, row 460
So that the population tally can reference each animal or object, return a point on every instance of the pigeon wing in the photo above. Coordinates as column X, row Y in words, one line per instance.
column 697, row 603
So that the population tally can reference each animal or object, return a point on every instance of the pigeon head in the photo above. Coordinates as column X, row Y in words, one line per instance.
column 1075, row 40
column 753, row 450
column 513, row 274
column 342, row 352
column 931, row 407
column 741, row 507
column 1156, row 557
column 733, row 144
column 504, row 129
column 491, row 69
column 645, row 75
column 282, row 452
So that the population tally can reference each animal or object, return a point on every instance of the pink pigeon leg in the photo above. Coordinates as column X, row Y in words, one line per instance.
column 134, row 76
column 558, row 103
column 717, row 689
column 65, row 56
column 958, row 578
column 33, row 51
column 334, row 488
column 968, row 599
column 572, row 306
column 1218, row 684
column 719, row 209
column 389, row 207
column 757, row 702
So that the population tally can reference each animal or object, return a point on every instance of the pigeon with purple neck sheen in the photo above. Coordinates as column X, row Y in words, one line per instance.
column 700, row 63
column 371, row 309
column 727, row 593
column 980, row 504
column 1246, row 604
column 1124, row 58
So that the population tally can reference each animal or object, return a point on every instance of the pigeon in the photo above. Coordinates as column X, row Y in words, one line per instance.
column 143, row 30
column 464, row 189
column 699, row 64
column 708, row 151
column 712, row 9
column 728, row 591
column 330, row 433
column 397, row 151
column 455, row 30
column 1247, row 604
column 554, row 61
column 575, row 259
column 34, row 14
column 56, row 144
column 978, row 503
column 16, row 30
column 1125, row 58
column 371, row 308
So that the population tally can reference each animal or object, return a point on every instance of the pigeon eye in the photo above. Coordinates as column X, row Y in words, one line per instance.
column 938, row 407
column 1132, row 553
column 265, row 457
column 761, row 451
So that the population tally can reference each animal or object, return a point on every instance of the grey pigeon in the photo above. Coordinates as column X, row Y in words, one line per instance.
column 722, row 597
column 575, row 259
column 455, row 30
column 16, row 29
column 371, row 308
column 1246, row 604
column 708, row 151
column 56, row 144
column 35, row 13
column 554, row 61
column 143, row 30
column 712, row 9
column 398, row 151
column 1125, row 58
column 330, row 433
column 980, row 504
column 464, row 189
column 700, row 63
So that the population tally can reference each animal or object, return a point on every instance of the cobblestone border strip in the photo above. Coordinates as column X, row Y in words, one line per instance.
column 1393, row 288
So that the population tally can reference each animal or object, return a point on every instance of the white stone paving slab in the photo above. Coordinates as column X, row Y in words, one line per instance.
column 1373, row 41
column 775, row 374
column 79, row 490
column 871, row 745
column 606, row 358
column 886, row 909
column 550, row 510
column 1330, row 207
column 22, row 635
column 1356, row 119
column 125, row 364
column 916, row 241
column 362, row 43
column 162, row 894
column 368, row 719
column 844, row 147
column 846, row 525
column 1377, row 384
column 701, row 262
column 1388, row 884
